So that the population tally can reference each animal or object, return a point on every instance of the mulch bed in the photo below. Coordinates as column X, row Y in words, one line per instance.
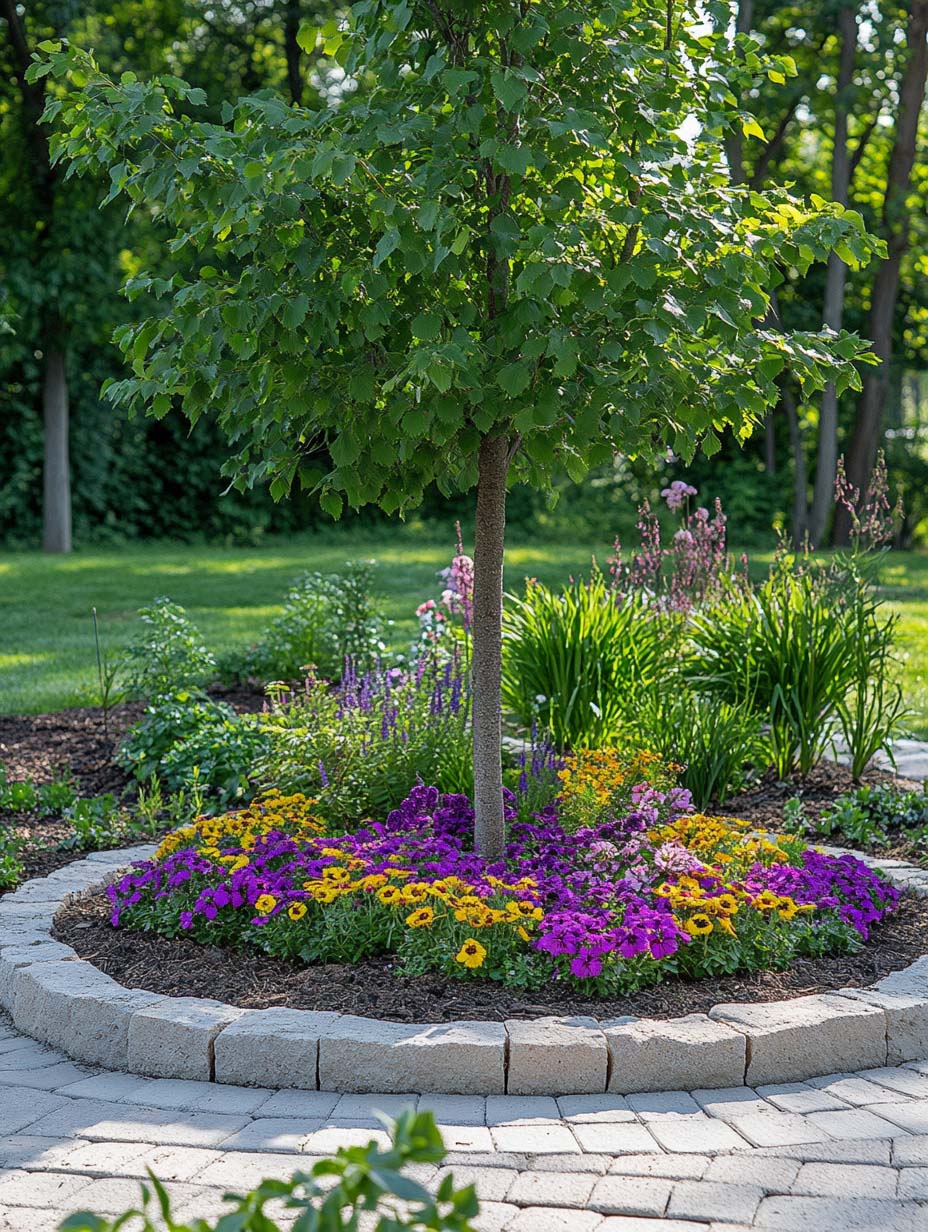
column 45, row 747
column 253, row 981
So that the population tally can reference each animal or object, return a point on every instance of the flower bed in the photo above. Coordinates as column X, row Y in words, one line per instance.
column 607, row 902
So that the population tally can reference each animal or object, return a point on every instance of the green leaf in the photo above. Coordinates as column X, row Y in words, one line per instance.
column 426, row 326
column 388, row 242
column 509, row 89
column 295, row 311
column 514, row 379
column 252, row 170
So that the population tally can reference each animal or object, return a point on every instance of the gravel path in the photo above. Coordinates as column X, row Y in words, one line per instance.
column 840, row 1152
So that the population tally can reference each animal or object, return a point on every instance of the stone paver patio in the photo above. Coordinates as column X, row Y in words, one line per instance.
column 848, row 1151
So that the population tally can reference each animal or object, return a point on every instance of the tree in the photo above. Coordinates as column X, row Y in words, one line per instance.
column 865, row 438
column 503, row 258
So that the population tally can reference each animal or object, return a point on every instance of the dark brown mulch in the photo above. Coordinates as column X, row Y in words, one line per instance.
column 254, row 981
column 72, row 743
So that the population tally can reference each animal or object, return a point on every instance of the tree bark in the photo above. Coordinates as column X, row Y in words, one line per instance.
column 57, row 474
column 292, row 49
column 486, row 668
column 866, row 435
column 800, row 479
column 734, row 142
column 826, row 462
column 44, row 178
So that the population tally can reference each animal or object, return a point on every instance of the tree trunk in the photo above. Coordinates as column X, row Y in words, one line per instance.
column 486, row 670
column 292, row 49
column 57, row 475
column 826, row 463
column 867, row 426
column 734, row 142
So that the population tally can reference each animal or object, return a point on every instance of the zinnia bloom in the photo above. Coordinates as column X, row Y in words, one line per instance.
column 421, row 918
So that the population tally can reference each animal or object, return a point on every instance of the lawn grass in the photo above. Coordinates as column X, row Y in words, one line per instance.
column 47, row 658
column 46, row 638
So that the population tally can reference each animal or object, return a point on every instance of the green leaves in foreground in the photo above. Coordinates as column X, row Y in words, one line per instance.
column 507, row 231
column 330, row 1197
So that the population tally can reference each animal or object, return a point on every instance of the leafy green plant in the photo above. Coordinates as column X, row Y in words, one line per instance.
column 873, row 711
column 574, row 660
column 716, row 743
column 361, row 1183
column 169, row 654
column 11, row 865
column 362, row 746
column 186, row 738
column 326, row 620
column 108, row 678
column 876, row 815
column 96, row 822
column 27, row 796
column 789, row 649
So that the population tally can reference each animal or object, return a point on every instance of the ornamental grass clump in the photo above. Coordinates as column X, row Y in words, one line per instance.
column 631, row 897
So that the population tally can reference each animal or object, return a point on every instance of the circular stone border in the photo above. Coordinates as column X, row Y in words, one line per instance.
column 68, row 1003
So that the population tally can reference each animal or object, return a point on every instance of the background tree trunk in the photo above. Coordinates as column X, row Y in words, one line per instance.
column 866, row 435
column 57, row 474
column 835, row 282
column 734, row 142
column 486, row 668
column 292, row 50
column 44, row 177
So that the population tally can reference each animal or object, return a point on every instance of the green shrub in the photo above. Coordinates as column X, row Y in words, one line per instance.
column 575, row 660
column 26, row 796
column 186, row 737
column 326, row 620
column 169, row 655
column 363, row 745
column 715, row 743
column 369, row 1183
column 96, row 822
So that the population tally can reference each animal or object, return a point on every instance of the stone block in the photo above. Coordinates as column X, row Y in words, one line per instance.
column 271, row 1048
column 174, row 1039
column 911, row 981
column 680, row 1054
column 906, row 1021
column 75, row 1007
column 789, row 1041
column 556, row 1056
column 455, row 1058
column 13, row 957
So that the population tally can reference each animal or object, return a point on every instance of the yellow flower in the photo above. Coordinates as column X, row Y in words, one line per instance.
column 523, row 934
column 421, row 918
column 727, row 903
column 389, row 895
column 471, row 954
column 767, row 901
column 786, row 908
column 698, row 925
column 265, row 904
column 296, row 911
column 326, row 894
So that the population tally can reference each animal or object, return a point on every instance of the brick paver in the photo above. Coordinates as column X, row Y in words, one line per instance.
column 848, row 1151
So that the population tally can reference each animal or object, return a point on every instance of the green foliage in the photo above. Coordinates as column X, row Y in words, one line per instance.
column 873, row 816
column 803, row 649
column 360, row 1183
column 96, row 822
column 169, row 655
column 11, row 865
column 187, row 740
column 326, row 620
column 362, row 747
column 339, row 262
column 26, row 796
column 574, row 659
column 715, row 743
